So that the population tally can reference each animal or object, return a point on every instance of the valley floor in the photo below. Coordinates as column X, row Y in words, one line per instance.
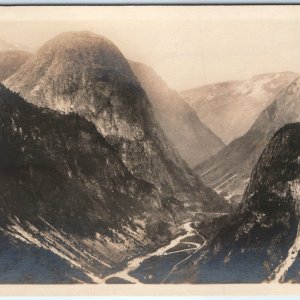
column 155, row 267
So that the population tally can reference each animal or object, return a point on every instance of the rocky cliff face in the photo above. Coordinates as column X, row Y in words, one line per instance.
column 230, row 108
column 10, row 62
column 85, row 73
column 70, row 209
column 229, row 171
column 194, row 140
column 256, row 240
column 65, row 192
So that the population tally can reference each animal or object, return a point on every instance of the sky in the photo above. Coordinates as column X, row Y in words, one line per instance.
column 187, row 46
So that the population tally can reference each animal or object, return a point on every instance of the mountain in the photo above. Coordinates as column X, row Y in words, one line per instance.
column 193, row 139
column 85, row 73
column 66, row 198
column 10, row 61
column 230, row 108
column 260, row 242
column 228, row 172
column 100, row 183
column 71, row 211
column 7, row 46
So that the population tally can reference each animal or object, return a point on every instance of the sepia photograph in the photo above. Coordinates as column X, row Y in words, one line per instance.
column 149, row 145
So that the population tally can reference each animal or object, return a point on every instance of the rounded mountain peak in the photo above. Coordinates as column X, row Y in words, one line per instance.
column 77, row 40
column 85, row 73
column 82, row 48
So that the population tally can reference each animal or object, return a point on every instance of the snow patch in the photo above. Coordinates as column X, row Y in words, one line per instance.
column 218, row 188
column 51, row 240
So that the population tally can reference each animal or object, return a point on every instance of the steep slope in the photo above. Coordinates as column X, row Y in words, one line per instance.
column 69, row 206
column 257, row 239
column 85, row 73
column 10, row 61
column 194, row 141
column 63, row 189
column 21, row 262
column 228, row 172
column 230, row 108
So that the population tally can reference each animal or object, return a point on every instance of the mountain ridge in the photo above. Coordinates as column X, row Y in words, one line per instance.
column 192, row 138
column 68, row 197
column 11, row 61
column 229, row 171
column 230, row 108
column 252, row 243
column 94, row 80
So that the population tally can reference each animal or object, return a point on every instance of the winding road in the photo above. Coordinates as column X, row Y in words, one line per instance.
column 163, row 251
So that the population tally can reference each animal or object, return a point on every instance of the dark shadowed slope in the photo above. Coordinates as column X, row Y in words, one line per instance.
column 64, row 189
column 254, row 245
column 230, row 108
column 70, row 209
column 229, row 171
column 194, row 140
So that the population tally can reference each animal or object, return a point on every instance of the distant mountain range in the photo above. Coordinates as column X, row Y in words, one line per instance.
column 10, row 62
column 230, row 108
column 7, row 46
column 193, row 139
column 228, row 172
column 12, row 56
